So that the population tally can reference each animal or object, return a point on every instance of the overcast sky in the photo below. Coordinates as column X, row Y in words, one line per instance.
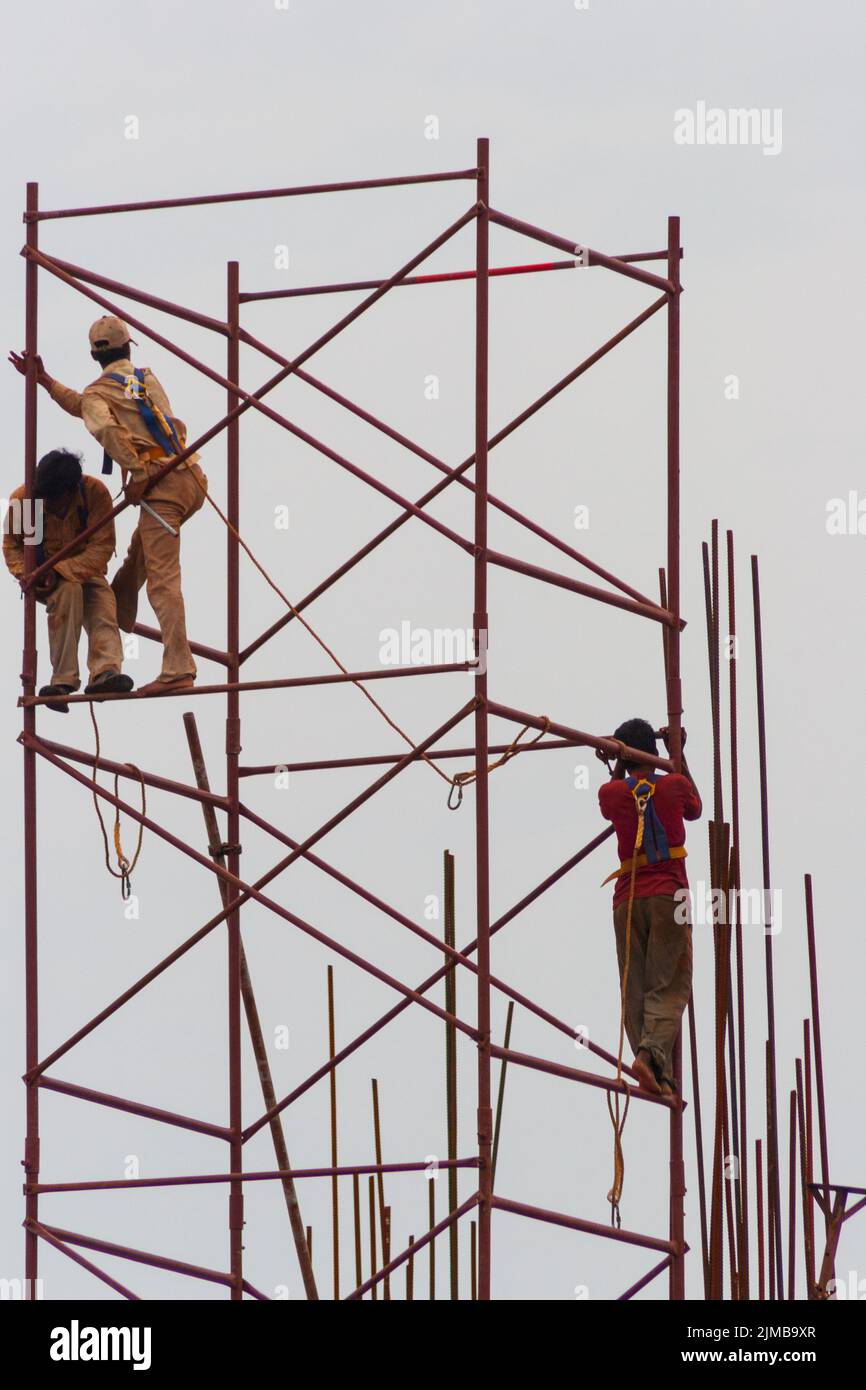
column 589, row 111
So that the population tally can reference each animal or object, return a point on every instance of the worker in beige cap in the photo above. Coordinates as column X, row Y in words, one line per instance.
column 128, row 412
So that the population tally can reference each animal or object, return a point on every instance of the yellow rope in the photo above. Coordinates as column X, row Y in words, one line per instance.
column 124, row 867
column 302, row 620
column 463, row 779
column 614, row 1196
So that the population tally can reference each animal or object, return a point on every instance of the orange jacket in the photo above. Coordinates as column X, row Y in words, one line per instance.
column 87, row 561
column 113, row 419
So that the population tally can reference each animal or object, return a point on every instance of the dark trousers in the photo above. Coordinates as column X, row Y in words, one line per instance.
column 659, row 975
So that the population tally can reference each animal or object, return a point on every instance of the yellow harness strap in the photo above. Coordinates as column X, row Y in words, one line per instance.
column 677, row 852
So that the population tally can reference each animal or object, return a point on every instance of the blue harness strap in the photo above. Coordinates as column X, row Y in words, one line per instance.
column 41, row 557
column 655, row 841
column 160, row 427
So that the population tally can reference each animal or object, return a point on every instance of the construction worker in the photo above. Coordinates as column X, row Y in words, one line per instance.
column 76, row 593
column 128, row 412
column 650, row 905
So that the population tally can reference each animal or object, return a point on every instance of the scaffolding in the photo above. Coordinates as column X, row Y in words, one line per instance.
column 223, row 857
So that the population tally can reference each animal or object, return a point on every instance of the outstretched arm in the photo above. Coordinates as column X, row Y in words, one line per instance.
column 65, row 397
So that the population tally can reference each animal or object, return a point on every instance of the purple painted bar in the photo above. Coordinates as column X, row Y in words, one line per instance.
column 208, row 200
column 204, row 1179
column 252, row 296
column 576, row 1223
column 515, row 224
column 132, row 1107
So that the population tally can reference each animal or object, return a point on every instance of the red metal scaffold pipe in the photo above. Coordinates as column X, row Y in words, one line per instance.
column 228, row 869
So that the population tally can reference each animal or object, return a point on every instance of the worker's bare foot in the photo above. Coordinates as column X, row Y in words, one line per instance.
column 644, row 1073
column 167, row 687
column 667, row 1089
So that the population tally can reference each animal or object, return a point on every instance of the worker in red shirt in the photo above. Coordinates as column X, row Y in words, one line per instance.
column 653, row 893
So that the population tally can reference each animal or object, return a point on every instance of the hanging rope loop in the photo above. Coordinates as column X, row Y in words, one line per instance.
column 125, row 867
column 464, row 779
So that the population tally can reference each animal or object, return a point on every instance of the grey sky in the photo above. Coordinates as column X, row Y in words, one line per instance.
column 580, row 109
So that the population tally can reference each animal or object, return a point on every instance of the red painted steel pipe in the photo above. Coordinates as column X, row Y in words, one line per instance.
column 673, row 683
column 439, row 487
column 563, row 581
column 44, row 1234
column 206, row 1179
column 576, row 1223
column 256, row 195
column 248, row 400
column 354, row 887
column 577, row 737
column 246, row 890
column 131, row 1107
column 520, row 906
column 588, row 1078
column 150, row 779
column 453, row 475
column 516, row 224
column 647, row 1279
column 233, row 749
column 482, row 814
column 253, row 296
column 385, row 759
column 434, row 979
column 380, row 673
column 143, row 1257
column 153, row 301
column 28, row 683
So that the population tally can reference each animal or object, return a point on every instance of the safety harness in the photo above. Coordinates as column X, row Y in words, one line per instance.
column 41, row 557
column 654, row 848
column 160, row 427
column 650, row 847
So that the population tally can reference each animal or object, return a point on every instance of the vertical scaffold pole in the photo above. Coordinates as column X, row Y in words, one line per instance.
column 482, row 846
column 233, row 748
column 28, row 684
column 677, row 1278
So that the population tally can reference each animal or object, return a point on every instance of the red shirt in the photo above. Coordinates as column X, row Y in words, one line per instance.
column 675, row 801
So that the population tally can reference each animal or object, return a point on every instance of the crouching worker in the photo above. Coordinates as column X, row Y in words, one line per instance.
column 75, row 593
column 128, row 412
column 650, row 906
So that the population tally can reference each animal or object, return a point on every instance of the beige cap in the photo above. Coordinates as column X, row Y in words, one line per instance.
column 109, row 331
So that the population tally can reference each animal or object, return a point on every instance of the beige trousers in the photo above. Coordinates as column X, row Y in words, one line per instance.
column 659, row 975
column 153, row 558
column 71, row 606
